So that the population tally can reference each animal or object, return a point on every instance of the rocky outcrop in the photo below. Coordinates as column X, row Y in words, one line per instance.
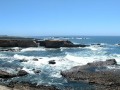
column 36, row 43
column 58, row 44
column 5, row 74
column 95, row 73
column 18, row 43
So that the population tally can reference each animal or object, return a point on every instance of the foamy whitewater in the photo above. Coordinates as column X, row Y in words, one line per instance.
column 65, row 58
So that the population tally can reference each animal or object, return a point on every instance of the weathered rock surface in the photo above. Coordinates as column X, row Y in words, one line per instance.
column 58, row 44
column 17, row 43
column 5, row 74
column 95, row 73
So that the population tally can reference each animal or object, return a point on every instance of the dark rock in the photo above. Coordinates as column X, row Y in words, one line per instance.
column 17, row 43
column 58, row 44
column 52, row 62
column 41, row 42
column 36, row 71
column 23, row 60
column 103, row 63
column 5, row 74
column 35, row 59
column 90, row 74
column 96, row 44
column 22, row 73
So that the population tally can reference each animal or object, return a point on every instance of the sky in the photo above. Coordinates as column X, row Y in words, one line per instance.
column 60, row 17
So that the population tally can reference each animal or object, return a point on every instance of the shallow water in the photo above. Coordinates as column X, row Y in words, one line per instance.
column 65, row 59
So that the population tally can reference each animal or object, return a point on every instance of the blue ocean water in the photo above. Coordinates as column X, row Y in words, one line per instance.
column 65, row 59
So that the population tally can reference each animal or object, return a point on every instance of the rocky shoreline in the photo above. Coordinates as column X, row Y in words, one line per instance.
column 96, row 74
column 32, row 42
column 16, row 85
column 26, row 86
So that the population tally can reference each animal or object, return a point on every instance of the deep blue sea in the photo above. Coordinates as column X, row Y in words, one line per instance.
column 65, row 59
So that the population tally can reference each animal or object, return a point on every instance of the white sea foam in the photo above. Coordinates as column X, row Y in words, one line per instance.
column 28, row 70
column 62, row 63
column 21, row 57
column 94, row 48
column 79, row 38
column 80, row 60
column 32, row 49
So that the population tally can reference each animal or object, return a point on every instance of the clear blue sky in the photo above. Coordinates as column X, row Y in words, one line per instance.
column 59, row 17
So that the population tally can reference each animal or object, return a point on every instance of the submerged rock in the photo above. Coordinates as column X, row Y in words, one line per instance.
column 95, row 73
column 52, row 62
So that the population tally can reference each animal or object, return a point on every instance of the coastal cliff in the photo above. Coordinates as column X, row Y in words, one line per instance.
column 17, row 43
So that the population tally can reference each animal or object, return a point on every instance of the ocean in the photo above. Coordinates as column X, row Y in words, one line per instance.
column 65, row 59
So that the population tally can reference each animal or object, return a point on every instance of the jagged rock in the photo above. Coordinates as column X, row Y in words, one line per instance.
column 94, row 73
column 52, row 62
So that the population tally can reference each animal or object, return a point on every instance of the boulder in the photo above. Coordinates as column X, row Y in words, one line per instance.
column 52, row 62
column 23, row 60
column 22, row 73
column 35, row 59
